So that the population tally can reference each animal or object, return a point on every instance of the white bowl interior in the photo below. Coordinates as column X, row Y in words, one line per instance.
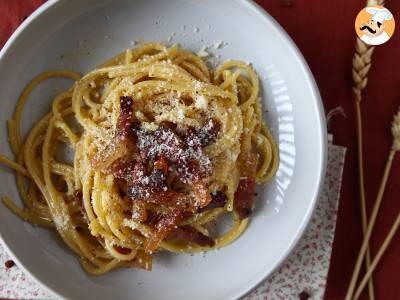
column 81, row 34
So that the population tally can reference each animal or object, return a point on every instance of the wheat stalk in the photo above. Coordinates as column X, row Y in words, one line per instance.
column 395, row 148
column 361, row 67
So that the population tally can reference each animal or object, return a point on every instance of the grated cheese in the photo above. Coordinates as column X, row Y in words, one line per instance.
column 201, row 102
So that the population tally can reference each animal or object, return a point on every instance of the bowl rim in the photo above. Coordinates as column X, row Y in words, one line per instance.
column 260, row 12
column 265, row 16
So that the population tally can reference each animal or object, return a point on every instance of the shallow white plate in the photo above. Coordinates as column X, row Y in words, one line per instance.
column 81, row 34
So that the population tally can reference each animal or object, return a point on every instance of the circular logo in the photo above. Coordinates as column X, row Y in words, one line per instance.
column 375, row 25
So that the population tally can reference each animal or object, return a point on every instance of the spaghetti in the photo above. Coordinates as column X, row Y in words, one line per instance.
column 163, row 147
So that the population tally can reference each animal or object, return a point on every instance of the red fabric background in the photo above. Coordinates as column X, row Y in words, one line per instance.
column 324, row 32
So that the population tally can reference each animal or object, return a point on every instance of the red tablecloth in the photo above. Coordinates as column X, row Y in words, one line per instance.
column 324, row 32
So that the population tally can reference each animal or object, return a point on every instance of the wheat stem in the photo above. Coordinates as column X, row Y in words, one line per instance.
column 370, row 226
column 378, row 257
column 395, row 147
column 361, row 67
column 362, row 192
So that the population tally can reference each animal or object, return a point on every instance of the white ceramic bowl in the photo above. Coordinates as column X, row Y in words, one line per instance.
column 81, row 34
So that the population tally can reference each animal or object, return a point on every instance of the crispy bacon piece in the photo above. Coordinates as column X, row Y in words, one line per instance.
column 165, row 135
column 162, row 164
column 118, row 146
column 244, row 197
column 166, row 142
column 191, row 138
column 218, row 199
column 204, row 136
column 140, row 179
column 133, row 180
column 190, row 234
column 190, row 170
column 166, row 223
column 152, row 217
column 170, row 125
column 142, row 260
column 143, row 186
column 124, row 123
column 122, row 250
column 243, row 203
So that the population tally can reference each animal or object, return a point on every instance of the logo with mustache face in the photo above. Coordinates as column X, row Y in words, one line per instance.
column 375, row 25
column 369, row 28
